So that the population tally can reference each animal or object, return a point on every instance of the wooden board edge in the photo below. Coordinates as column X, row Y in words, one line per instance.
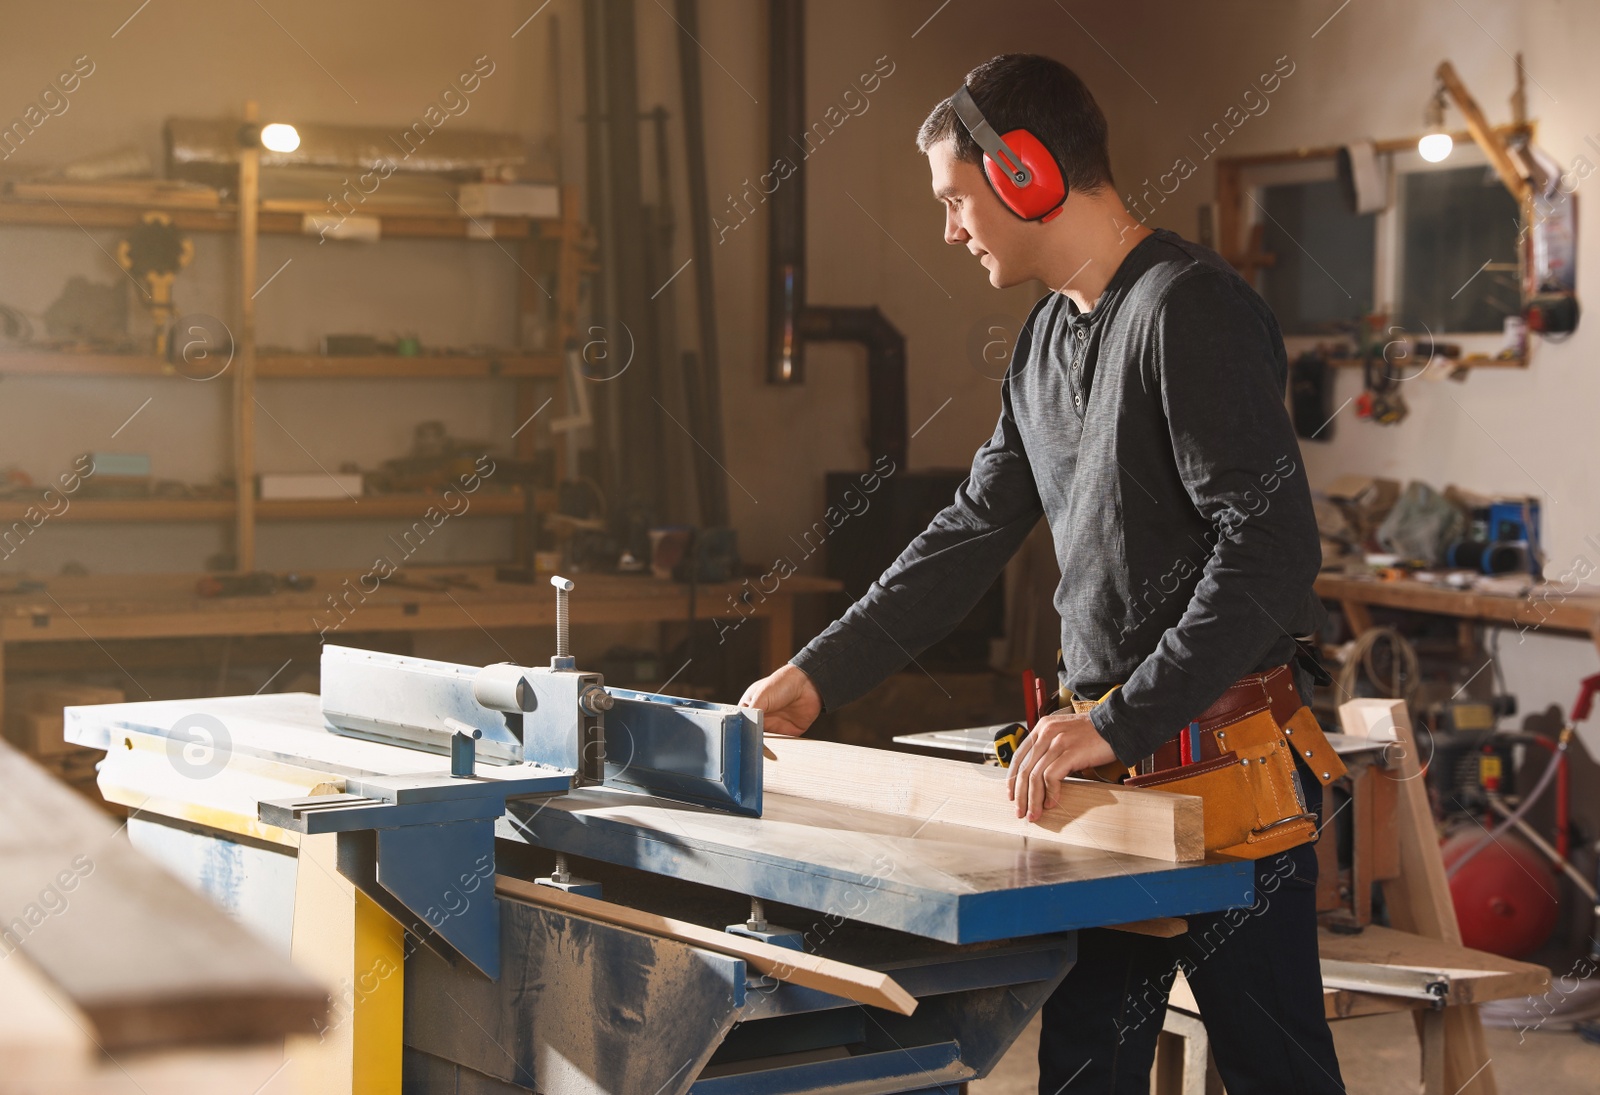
column 864, row 986
column 1071, row 821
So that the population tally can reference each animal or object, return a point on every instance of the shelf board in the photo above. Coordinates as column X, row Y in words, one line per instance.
column 385, row 366
column 396, row 225
column 1474, row 361
column 79, row 363
column 504, row 503
column 125, row 509
column 407, row 225
column 108, row 215
column 297, row 366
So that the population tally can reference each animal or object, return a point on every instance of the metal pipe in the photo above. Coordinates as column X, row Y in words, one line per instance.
column 791, row 322
column 886, row 369
column 786, row 232
column 639, row 419
column 1539, row 842
column 1527, row 804
column 704, row 373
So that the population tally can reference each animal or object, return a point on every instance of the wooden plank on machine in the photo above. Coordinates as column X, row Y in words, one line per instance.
column 856, row 983
column 1105, row 816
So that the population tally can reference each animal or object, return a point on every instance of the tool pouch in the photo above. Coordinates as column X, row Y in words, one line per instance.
column 1253, row 803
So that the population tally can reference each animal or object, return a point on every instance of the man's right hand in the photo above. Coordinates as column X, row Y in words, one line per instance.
column 787, row 699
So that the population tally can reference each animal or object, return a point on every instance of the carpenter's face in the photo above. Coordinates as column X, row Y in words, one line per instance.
column 974, row 218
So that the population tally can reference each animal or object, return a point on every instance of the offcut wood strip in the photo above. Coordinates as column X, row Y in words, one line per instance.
column 864, row 986
column 1104, row 816
column 1161, row 927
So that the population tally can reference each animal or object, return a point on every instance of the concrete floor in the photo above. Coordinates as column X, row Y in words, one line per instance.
column 1378, row 1056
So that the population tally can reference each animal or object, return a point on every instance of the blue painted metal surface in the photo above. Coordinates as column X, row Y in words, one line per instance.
column 918, row 1065
column 708, row 754
column 584, row 1007
column 556, row 730
column 683, row 749
column 581, row 1008
column 434, row 849
column 425, row 867
column 252, row 883
column 350, row 813
column 392, row 697
column 939, row 881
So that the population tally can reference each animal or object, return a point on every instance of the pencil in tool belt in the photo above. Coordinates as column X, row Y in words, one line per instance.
column 1189, row 744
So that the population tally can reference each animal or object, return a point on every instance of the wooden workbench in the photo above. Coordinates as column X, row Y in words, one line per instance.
column 1547, row 608
column 150, row 606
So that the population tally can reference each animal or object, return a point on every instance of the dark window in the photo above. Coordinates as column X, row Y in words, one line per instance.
column 1454, row 222
column 1321, row 279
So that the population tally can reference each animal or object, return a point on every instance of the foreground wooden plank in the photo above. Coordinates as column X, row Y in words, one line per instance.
column 852, row 982
column 146, row 960
column 43, row 1037
column 1157, row 824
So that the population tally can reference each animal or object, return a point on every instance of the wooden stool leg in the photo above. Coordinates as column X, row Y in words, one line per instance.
column 1419, row 897
column 1430, row 1031
column 1182, row 1052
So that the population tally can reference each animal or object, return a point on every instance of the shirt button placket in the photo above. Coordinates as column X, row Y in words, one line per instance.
column 1082, row 333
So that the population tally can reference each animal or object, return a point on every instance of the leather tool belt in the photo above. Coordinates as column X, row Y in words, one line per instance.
column 1239, row 757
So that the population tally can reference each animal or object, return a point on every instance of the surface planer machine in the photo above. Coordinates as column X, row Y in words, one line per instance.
column 515, row 878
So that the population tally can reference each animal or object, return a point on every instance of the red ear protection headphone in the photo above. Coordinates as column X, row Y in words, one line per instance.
column 1021, row 171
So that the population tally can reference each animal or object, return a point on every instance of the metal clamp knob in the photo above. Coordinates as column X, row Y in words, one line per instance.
column 596, row 700
column 563, row 657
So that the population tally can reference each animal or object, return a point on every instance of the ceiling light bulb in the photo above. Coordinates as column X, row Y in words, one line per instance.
column 1434, row 147
column 1435, row 144
column 281, row 137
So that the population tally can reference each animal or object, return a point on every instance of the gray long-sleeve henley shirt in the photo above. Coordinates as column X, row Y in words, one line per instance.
column 1151, row 433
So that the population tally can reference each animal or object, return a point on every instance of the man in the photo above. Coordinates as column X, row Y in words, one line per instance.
column 1142, row 415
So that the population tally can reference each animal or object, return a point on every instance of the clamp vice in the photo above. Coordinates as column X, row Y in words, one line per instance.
column 537, row 731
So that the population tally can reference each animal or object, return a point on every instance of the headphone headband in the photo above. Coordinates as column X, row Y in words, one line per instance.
column 967, row 110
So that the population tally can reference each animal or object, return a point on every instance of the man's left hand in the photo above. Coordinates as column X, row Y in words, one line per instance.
column 1058, row 745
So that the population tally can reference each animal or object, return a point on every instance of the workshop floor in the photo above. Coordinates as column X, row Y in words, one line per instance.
column 1378, row 1056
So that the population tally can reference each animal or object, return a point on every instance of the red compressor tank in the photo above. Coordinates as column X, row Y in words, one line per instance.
column 1505, row 896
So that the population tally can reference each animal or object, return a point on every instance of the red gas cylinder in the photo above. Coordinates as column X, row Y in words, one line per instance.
column 1505, row 896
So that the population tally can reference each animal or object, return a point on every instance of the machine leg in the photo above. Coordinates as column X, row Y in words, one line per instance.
column 342, row 936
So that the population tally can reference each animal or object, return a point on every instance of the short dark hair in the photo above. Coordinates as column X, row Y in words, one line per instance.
column 1041, row 95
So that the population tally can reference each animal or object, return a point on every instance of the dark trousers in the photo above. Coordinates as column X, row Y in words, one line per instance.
column 1254, row 971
